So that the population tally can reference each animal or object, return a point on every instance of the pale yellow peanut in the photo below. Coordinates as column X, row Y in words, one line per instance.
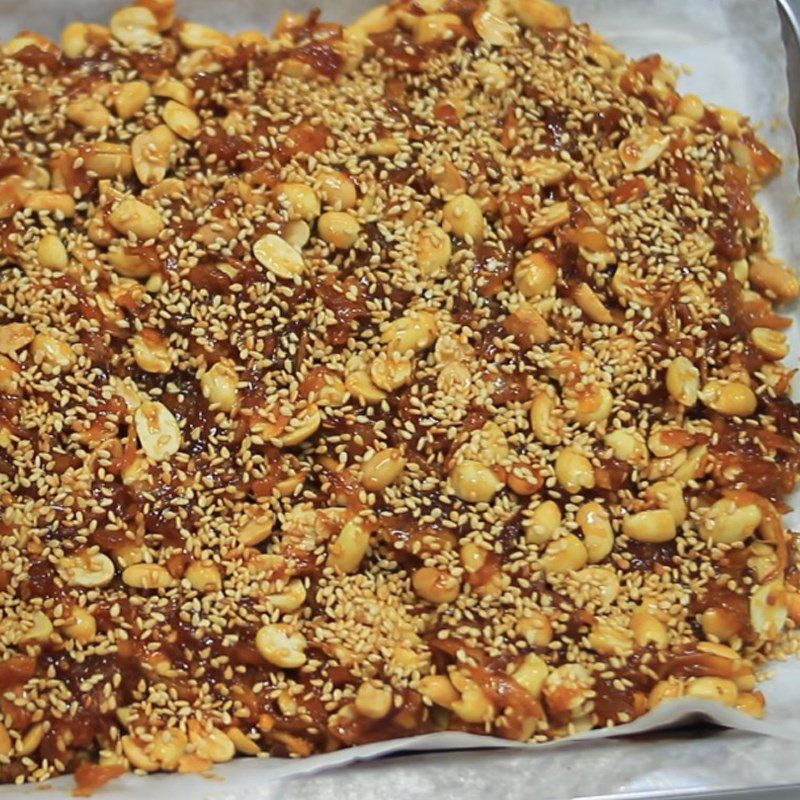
column 610, row 640
column 664, row 691
column 771, row 343
column 643, row 148
column 147, row 576
column 390, row 371
column 157, row 429
column 347, row 550
column 598, row 534
column 566, row 554
column 10, row 376
column 769, row 610
column 531, row 674
column 542, row 523
column 730, row 398
column 472, row 706
column 545, row 424
column 51, row 353
column 290, row 597
column 683, row 381
column 50, row 200
column 435, row 27
column 6, row 745
column 51, row 252
column 691, row 106
column 373, row 700
column 574, row 471
column 446, row 177
column 415, row 330
column 278, row 256
column 568, row 688
column 181, row 120
column 39, row 631
column 135, row 750
column 211, row 744
column 648, row 629
column 387, row 147
column 492, row 76
column 151, row 152
column 545, row 171
column 535, row 274
column 132, row 216
column 135, row 27
column 28, row 39
column 281, row 646
column 628, row 445
column 720, row 623
column 438, row 689
column 474, row 482
column 695, row 465
column 548, row 218
column 194, row 36
column 721, row 690
column 15, row 336
column 80, row 625
column 108, row 160
column 536, row 628
column 298, row 201
column 151, row 352
column 257, row 529
column 340, row 229
column 669, row 494
column 590, row 303
column 593, row 405
column 88, row 113
column 491, row 26
column 336, row 190
column 302, row 426
column 242, row 742
column 163, row 11
column 131, row 98
column 774, row 278
column 166, row 747
column 601, row 584
column 30, row 740
column 751, row 703
column 203, row 576
column 297, row 233
column 173, row 89
column 529, row 321
column 654, row 526
column 78, row 37
column 435, row 585
column 219, row 385
column 537, row 14
column 360, row 385
column 726, row 522
column 383, row 469
column 89, row 570
column 463, row 216
column 473, row 557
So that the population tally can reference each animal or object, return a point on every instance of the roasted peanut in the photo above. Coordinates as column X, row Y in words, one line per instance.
column 574, row 471
column 435, row 585
column 281, row 646
column 653, row 526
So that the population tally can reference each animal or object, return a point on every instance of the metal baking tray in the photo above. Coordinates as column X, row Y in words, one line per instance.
column 736, row 764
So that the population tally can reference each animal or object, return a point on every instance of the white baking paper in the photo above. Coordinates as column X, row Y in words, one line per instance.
column 735, row 57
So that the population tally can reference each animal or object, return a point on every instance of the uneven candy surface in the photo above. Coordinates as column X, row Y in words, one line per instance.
column 365, row 381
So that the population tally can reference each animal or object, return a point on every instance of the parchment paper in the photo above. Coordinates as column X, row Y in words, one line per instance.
column 736, row 57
